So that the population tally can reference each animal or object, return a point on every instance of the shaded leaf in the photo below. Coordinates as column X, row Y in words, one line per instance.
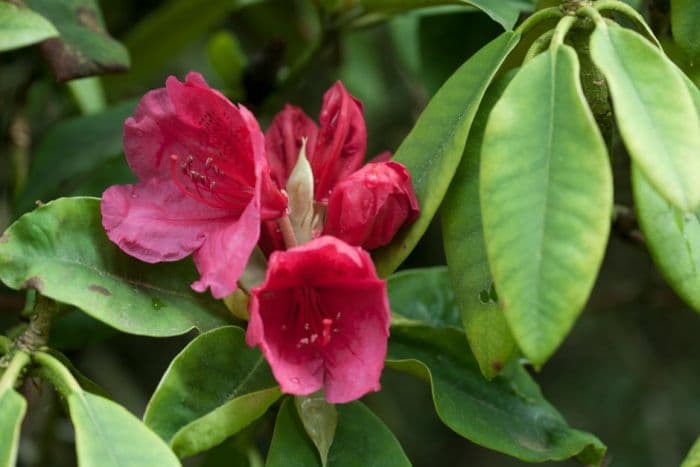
column 72, row 149
column 424, row 295
column 658, row 123
column 504, row 12
column 433, row 148
column 684, row 23
column 61, row 250
column 20, row 27
column 214, row 388
column 84, row 47
column 508, row 414
column 484, row 323
column 546, row 207
column 693, row 457
column 361, row 439
column 168, row 30
column 320, row 420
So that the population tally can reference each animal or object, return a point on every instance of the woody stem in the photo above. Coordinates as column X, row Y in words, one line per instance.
column 285, row 225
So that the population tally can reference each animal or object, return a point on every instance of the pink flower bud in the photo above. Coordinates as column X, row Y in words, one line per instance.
column 321, row 318
column 368, row 207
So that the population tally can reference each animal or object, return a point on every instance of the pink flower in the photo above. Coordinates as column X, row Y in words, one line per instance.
column 364, row 207
column 204, row 184
column 370, row 206
column 321, row 318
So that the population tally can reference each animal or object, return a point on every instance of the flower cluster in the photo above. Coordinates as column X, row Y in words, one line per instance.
column 212, row 185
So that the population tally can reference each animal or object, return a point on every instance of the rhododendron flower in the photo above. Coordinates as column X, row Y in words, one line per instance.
column 364, row 207
column 370, row 206
column 204, row 184
column 321, row 318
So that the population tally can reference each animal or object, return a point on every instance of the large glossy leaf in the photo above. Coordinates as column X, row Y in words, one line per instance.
column 20, row 27
column 658, row 123
column 505, row 12
column 433, row 148
column 84, row 47
column 424, row 295
column 684, row 23
column 693, row 457
column 485, row 324
column 508, row 414
column 214, row 388
column 673, row 238
column 361, row 440
column 12, row 407
column 547, row 205
column 61, row 250
column 72, row 149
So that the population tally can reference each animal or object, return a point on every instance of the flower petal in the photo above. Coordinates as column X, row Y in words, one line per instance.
column 154, row 221
column 223, row 256
column 354, row 358
column 342, row 140
column 283, row 140
column 297, row 370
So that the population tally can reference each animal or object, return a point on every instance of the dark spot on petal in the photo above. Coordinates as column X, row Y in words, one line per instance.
column 99, row 289
column 34, row 283
column 496, row 365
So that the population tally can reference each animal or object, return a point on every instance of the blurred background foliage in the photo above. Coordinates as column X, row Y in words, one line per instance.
column 629, row 370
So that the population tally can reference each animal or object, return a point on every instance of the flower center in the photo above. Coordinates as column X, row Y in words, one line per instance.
column 209, row 184
column 313, row 323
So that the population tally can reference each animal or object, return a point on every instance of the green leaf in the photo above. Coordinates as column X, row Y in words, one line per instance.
column 106, row 434
column 485, row 324
column 424, row 295
column 507, row 414
column 361, row 439
column 12, row 407
column 61, row 250
column 70, row 150
column 433, row 148
column 320, row 420
column 684, row 23
column 673, row 238
column 212, row 389
column 84, row 47
column 168, row 30
column 504, row 12
column 693, row 457
column 547, row 206
column 228, row 58
column 654, row 112
column 20, row 27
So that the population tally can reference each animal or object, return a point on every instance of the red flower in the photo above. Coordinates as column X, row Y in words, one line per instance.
column 370, row 206
column 321, row 318
column 204, row 184
column 363, row 207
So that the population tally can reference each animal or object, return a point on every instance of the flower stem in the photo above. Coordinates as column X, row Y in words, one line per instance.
column 285, row 225
column 37, row 333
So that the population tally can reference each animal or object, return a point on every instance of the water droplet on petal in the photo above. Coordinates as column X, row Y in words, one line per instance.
column 294, row 380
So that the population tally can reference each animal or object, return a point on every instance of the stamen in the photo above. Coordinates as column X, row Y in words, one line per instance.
column 326, row 336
